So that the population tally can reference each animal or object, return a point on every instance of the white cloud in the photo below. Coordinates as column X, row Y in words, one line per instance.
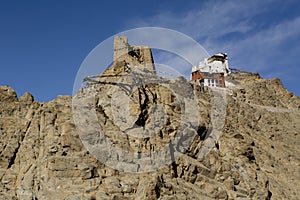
column 214, row 19
column 207, row 24
column 267, row 46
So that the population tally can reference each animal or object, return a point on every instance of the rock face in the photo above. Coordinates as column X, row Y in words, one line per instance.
column 256, row 156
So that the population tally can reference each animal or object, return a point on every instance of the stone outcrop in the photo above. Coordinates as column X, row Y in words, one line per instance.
column 255, row 157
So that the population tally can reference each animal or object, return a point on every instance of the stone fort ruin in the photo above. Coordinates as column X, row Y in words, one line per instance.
column 139, row 56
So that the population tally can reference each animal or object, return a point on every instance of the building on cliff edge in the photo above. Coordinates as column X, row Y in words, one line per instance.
column 212, row 71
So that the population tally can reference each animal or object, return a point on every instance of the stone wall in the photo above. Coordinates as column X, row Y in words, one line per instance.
column 121, row 46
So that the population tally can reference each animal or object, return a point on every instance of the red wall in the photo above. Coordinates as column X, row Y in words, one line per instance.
column 196, row 75
column 219, row 77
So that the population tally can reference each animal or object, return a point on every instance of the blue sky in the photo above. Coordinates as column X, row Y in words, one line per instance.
column 43, row 43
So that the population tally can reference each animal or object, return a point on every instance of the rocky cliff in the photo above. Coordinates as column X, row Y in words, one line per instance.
column 255, row 155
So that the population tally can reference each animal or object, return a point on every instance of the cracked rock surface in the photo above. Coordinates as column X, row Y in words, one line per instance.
column 255, row 156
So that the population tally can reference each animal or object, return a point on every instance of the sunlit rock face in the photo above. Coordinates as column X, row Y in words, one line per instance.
column 253, row 154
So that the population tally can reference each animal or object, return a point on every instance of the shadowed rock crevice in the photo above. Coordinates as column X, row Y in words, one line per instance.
column 146, row 99
column 13, row 158
column 144, row 106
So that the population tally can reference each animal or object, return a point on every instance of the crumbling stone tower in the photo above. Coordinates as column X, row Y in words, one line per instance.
column 121, row 46
column 139, row 56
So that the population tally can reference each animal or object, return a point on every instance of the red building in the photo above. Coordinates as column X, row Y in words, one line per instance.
column 209, row 79
column 211, row 71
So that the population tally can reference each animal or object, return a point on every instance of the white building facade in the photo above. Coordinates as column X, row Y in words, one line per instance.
column 211, row 71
